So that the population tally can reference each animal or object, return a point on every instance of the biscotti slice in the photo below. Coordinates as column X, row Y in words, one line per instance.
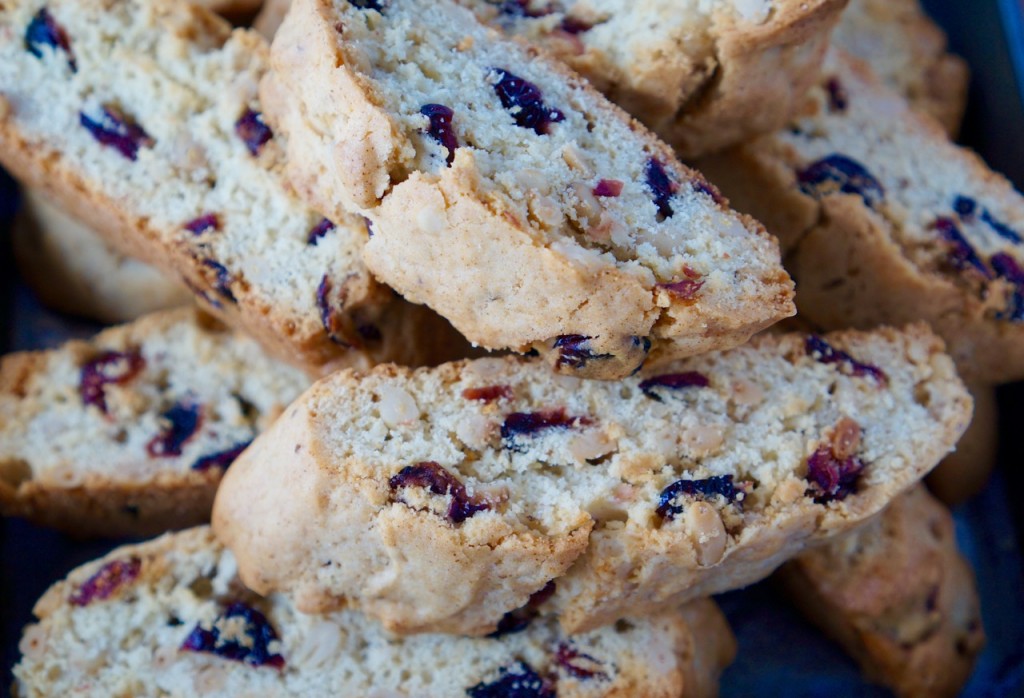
column 908, row 52
column 897, row 595
column 74, row 271
column 508, row 195
column 441, row 499
column 129, row 433
column 171, row 618
column 703, row 76
column 889, row 222
column 140, row 118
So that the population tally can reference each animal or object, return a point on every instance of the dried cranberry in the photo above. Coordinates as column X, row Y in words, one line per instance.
column 840, row 174
column 198, row 226
column 44, row 30
column 578, row 665
column 331, row 319
column 489, row 393
column 253, row 132
column 118, row 130
column 439, row 481
column 1006, row 267
column 706, row 489
column 248, row 642
column 107, row 580
column 832, row 478
column 183, row 421
column 441, row 127
column 673, row 381
column 221, row 459
column 661, row 186
column 574, row 351
column 702, row 186
column 965, row 207
column 222, row 280
column 524, row 101
column 529, row 423
column 519, row 619
column 823, row 352
column 684, row 290
column 960, row 255
column 838, row 99
column 521, row 681
column 1004, row 231
column 368, row 5
column 575, row 25
column 112, row 367
column 608, row 188
column 323, row 227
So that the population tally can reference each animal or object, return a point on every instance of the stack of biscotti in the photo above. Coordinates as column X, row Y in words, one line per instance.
column 171, row 618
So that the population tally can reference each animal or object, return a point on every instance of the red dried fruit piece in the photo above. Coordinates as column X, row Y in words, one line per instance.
column 329, row 316
column 702, row 186
column 832, row 478
column 222, row 282
column 221, row 459
column 839, row 174
column 183, row 421
column 575, row 25
column 44, row 30
column 323, row 227
column 489, row 393
column 579, row 665
column 198, row 226
column 838, row 99
column 368, row 5
column 529, row 423
column 520, row 681
column 608, row 188
column 960, row 255
column 106, row 581
column 1007, row 268
column 519, row 619
column 253, row 132
column 110, row 367
column 673, row 381
column 118, row 130
column 439, row 481
column 441, row 127
column 823, row 352
column 703, row 490
column 524, row 101
column 249, row 643
column 661, row 186
column 574, row 351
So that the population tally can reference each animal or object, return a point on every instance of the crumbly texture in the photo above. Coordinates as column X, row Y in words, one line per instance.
column 897, row 595
column 885, row 250
column 583, row 225
column 571, row 480
column 964, row 473
column 133, row 458
column 74, row 271
column 908, row 52
column 130, row 643
column 701, row 75
column 146, row 127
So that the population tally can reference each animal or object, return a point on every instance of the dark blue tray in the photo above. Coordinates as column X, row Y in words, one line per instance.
column 779, row 654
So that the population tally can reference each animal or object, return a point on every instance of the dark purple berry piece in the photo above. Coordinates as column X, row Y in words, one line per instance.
column 441, row 127
column 960, row 255
column 1004, row 231
column 489, row 393
column 519, row 619
column 323, row 227
column 840, row 174
column 368, row 5
column 575, row 25
column 529, row 423
column 661, row 186
column 108, row 579
column 44, row 30
column 198, row 226
column 183, row 421
column 524, row 101
column 222, row 280
column 838, row 99
column 832, row 478
column 329, row 316
column 823, row 352
column 684, row 290
column 248, row 641
column 521, row 8
column 521, row 681
column 251, row 129
column 703, row 490
column 673, row 381
column 574, row 351
column 440, row 481
column 608, row 188
column 702, row 186
column 965, row 207
column 221, row 459
column 117, row 130
column 1006, row 267
column 578, row 665
column 110, row 367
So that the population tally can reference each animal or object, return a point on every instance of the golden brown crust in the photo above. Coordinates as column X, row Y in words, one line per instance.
column 965, row 472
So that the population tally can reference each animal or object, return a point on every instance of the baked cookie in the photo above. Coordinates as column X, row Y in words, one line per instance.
column 130, row 432
column 908, row 52
column 171, row 618
column 140, row 118
column 441, row 499
column 897, row 595
column 703, row 76
column 75, row 272
column 964, row 473
column 888, row 222
column 508, row 195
